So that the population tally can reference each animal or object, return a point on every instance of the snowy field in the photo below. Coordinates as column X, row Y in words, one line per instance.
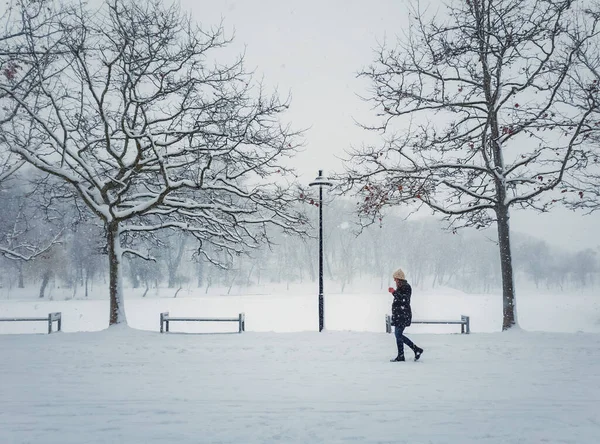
column 283, row 382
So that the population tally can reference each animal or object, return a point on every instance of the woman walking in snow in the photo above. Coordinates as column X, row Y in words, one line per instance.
column 402, row 315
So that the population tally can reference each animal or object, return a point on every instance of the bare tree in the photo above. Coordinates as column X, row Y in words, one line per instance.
column 581, row 189
column 137, row 115
column 473, row 116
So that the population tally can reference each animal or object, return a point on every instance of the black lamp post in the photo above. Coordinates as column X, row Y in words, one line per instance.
column 321, row 181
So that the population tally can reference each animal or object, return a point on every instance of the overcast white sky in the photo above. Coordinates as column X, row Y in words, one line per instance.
column 313, row 49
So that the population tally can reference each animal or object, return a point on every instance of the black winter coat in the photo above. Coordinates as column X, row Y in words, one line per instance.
column 401, row 312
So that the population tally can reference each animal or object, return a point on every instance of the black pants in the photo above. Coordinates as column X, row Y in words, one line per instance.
column 401, row 340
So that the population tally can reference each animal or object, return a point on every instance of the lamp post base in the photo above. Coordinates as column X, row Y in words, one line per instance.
column 321, row 313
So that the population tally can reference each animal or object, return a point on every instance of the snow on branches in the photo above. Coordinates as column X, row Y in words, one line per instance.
column 131, row 111
column 480, row 111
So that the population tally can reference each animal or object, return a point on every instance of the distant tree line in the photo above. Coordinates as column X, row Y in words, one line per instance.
column 432, row 256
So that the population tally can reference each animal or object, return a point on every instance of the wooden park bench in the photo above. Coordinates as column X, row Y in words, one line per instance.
column 51, row 318
column 165, row 319
column 465, row 326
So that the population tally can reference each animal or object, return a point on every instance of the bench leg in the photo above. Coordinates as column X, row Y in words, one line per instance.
column 465, row 327
column 164, row 316
column 49, row 323
column 242, row 322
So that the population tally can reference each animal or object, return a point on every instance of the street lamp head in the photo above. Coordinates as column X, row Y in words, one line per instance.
column 321, row 180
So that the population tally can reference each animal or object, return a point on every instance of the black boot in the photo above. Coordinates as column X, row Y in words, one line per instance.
column 418, row 353
column 399, row 358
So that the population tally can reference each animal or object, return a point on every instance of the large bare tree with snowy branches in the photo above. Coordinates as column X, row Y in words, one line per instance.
column 133, row 109
column 474, row 116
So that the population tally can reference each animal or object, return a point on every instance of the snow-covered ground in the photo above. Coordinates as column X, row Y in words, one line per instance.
column 283, row 382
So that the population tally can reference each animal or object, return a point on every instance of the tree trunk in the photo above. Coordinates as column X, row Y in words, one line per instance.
column 45, row 280
column 134, row 275
column 309, row 260
column 200, row 271
column 258, row 275
column 509, row 313
column 172, row 276
column 173, row 262
column 231, row 284
column 21, row 283
column 249, row 277
column 117, row 308
column 80, row 274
